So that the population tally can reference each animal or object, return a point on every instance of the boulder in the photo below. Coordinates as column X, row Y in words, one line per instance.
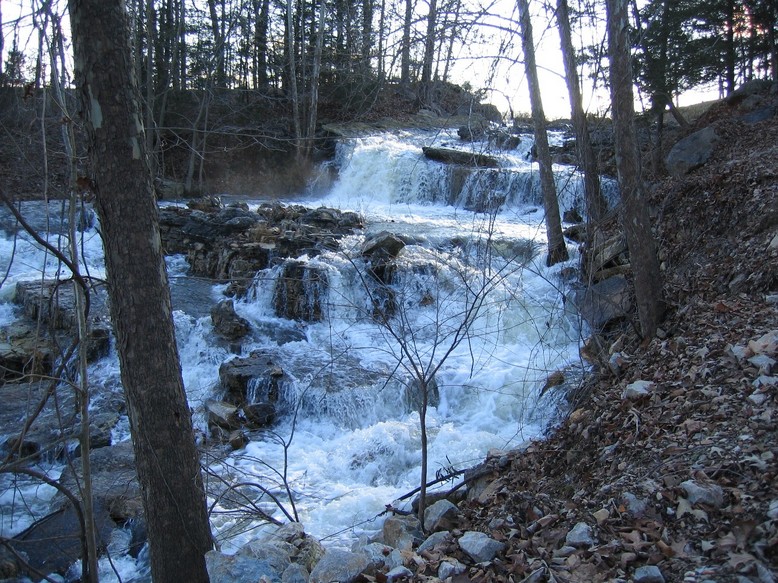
column 480, row 547
column 402, row 532
column 442, row 515
column 340, row 566
column 238, row 569
column 300, row 292
column 226, row 323
column 691, row 152
column 604, row 301
column 117, row 503
column 222, row 414
column 383, row 245
column 251, row 379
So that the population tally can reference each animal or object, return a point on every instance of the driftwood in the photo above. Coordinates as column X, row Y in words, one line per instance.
column 450, row 156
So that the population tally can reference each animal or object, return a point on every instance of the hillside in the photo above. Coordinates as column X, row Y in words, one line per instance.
column 681, row 483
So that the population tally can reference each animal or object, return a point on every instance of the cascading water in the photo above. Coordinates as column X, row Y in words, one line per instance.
column 468, row 304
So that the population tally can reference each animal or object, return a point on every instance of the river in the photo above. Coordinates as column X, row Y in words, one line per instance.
column 474, row 298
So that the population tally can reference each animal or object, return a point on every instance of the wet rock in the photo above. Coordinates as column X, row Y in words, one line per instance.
column 251, row 379
column 300, row 292
column 699, row 493
column 238, row 440
column 338, row 565
column 637, row 390
column 442, row 515
column 451, row 156
column 222, row 414
column 480, row 547
column 383, row 245
column 580, row 536
column 648, row 574
column 259, row 415
column 691, row 152
column 227, row 323
column 238, row 569
column 473, row 131
column 402, row 532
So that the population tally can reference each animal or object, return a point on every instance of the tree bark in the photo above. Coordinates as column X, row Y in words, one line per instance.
column 557, row 251
column 595, row 203
column 160, row 421
column 635, row 218
column 429, row 43
column 405, row 48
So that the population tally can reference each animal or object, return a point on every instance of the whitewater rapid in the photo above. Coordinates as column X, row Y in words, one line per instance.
column 349, row 443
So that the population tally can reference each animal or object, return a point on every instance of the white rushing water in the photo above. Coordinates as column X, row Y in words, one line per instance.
column 353, row 445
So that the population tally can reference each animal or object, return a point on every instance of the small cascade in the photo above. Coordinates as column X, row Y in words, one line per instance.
column 398, row 172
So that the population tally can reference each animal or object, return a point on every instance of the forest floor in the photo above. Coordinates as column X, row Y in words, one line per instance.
column 680, row 484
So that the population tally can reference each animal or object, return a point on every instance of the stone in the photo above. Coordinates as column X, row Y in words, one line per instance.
column 295, row 573
column 637, row 390
column 228, row 324
column 637, row 507
column 402, row 532
column 601, row 515
column 400, row 572
column 698, row 493
column 378, row 554
column 480, row 547
column 222, row 414
column 648, row 574
column 442, row 515
column 603, row 302
column 277, row 553
column 580, row 536
column 691, row 152
column 433, row 540
column 338, row 565
column 766, row 344
column 450, row 568
column 383, row 244
column 238, row 569
column 251, row 379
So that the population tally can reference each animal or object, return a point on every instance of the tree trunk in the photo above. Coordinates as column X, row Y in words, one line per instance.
column 557, row 251
column 160, row 421
column 261, row 43
column 405, row 48
column 635, row 219
column 595, row 203
column 367, row 35
column 313, row 109
column 219, row 45
column 429, row 43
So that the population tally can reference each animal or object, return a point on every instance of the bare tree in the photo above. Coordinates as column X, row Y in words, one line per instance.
column 593, row 199
column 635, row 218
column 557, row 251
column 160, row 421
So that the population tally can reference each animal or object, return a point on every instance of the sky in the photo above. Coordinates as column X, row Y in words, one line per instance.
column 504, row 81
